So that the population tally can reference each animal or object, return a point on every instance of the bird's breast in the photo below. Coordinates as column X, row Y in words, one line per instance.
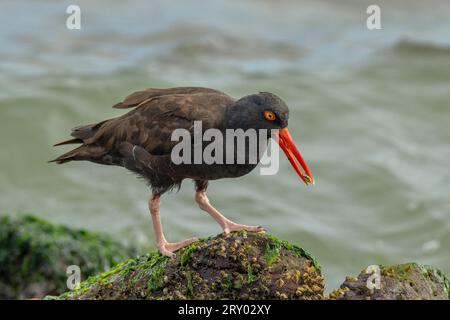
column 228, row 157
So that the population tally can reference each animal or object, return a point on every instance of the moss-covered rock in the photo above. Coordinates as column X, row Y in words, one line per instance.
column 34, row 256
column 408, row 281
column 240, row 265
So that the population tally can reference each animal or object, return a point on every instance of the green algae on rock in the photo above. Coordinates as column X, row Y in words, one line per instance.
column 409, row 281
column 34, row 256
column 240, row 265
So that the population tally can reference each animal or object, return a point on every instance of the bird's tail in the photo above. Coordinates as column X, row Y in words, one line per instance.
column 89, row 150
column 75, row 154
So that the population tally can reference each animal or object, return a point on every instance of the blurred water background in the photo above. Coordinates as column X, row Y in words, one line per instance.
column 370, row 111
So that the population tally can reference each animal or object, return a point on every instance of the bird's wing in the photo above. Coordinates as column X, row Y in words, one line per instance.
column 150, row 125
column 143, row 96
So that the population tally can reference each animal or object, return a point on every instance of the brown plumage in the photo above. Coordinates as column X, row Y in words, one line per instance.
column 140, row 141
column 156, row 113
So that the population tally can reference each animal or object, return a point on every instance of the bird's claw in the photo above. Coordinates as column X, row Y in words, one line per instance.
column 168, row 249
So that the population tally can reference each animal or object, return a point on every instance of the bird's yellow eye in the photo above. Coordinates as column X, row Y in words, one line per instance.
column 269, row 115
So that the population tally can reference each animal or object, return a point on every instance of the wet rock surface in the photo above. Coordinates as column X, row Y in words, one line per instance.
column 240, row 265
column 409, row 281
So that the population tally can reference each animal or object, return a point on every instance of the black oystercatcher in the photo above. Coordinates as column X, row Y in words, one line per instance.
column 140, row 141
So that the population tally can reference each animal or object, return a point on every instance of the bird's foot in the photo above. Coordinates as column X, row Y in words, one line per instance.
column 168, row 249
column 231, row 226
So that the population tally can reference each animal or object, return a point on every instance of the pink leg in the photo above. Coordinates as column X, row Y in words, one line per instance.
column 164, row 247
column 226, row 224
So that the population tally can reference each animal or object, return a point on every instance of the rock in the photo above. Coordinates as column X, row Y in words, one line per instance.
column 35, row 254
column 240, row 265
column 408, row 281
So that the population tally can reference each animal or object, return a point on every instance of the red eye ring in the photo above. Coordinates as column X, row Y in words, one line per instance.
column 269, row 115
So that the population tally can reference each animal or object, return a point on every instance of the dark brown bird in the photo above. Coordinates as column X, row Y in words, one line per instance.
column 141, row 141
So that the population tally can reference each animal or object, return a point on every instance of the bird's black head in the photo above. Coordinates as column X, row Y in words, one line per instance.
column 267, row 111
column 263, row 110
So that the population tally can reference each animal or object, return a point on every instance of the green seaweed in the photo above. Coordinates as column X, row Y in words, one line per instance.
column 437, row 274
column 228, row 282
column 155, row 266
column 292, row 247
column 187, row 253
column 272, row 253
column 251, row 277
column 189, row 286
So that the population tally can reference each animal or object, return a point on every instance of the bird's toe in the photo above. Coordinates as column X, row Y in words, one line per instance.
column 168, row 249
column 165, row 252
column 260, row 229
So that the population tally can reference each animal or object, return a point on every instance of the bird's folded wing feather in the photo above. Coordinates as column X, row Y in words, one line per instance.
column 151, row 123
column 139, row 97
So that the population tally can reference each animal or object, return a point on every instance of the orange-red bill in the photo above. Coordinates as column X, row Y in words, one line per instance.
column 294, row 156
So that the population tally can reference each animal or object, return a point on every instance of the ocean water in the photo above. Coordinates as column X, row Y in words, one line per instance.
column 370, row 111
